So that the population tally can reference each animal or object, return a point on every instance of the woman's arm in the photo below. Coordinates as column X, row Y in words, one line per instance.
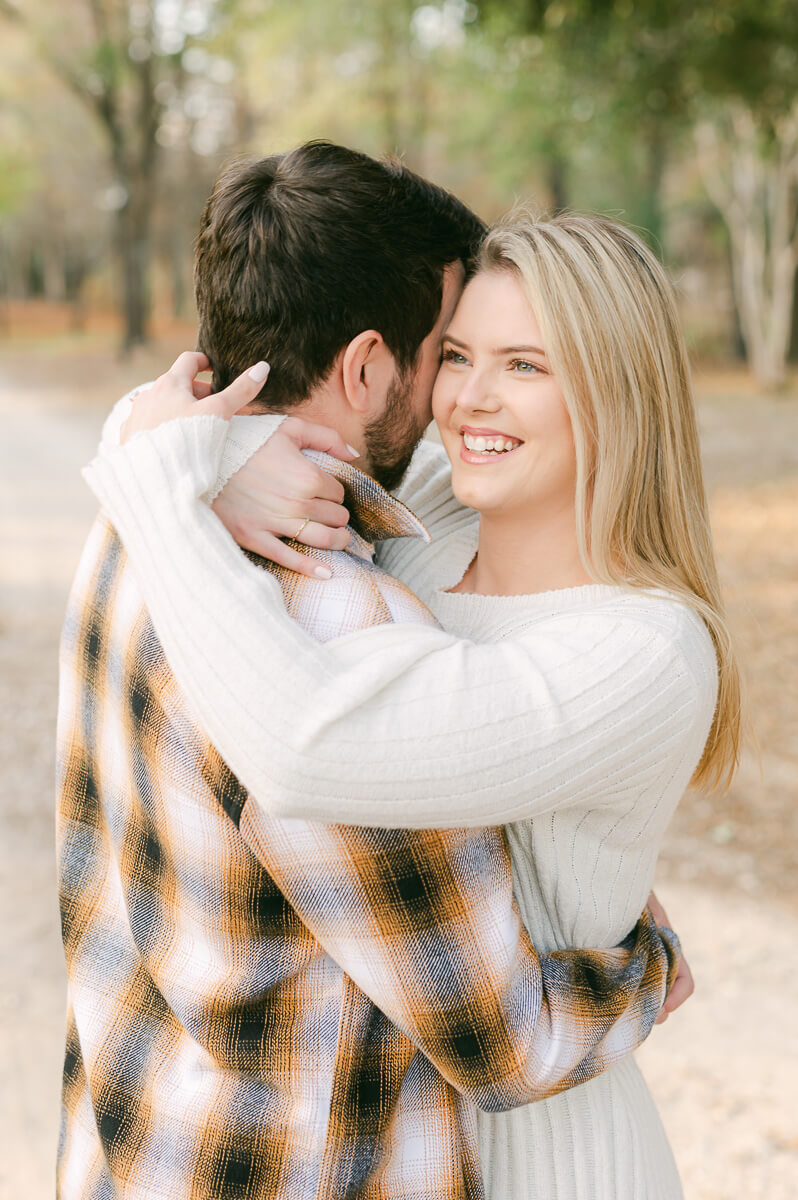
column 402, row 725
column 247, row 433
column 265, row 487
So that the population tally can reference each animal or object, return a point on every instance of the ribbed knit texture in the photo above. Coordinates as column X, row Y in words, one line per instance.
column 576, row 717
column 581, row 874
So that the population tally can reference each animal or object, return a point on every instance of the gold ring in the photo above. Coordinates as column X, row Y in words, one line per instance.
column 301, row 527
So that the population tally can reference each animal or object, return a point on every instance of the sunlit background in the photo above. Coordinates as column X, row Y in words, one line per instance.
column 680, row 117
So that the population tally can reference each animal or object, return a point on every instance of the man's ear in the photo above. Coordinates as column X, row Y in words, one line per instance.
column 367, row 370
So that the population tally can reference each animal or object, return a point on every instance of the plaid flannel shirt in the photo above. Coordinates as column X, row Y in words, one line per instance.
column 282, row 1009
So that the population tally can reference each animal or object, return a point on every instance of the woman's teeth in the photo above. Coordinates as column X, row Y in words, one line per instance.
column 483, row 445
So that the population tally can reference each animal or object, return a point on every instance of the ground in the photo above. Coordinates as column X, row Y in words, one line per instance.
column 723, row 1069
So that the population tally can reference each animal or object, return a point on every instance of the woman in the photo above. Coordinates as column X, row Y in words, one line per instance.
column 589, row 592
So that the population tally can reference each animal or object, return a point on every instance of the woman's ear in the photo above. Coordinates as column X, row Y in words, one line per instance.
column 367, row 370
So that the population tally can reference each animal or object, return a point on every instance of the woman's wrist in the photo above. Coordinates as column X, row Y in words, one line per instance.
column 180, row 457
column 245, row 436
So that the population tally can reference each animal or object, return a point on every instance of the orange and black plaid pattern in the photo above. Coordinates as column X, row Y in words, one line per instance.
column 280, row 1009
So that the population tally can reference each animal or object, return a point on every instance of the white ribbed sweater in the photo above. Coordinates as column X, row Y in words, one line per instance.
column 575, row 717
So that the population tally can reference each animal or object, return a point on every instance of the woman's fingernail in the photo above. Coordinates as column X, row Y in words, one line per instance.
column 352, row 450
column 259, row 372
column 322, row 572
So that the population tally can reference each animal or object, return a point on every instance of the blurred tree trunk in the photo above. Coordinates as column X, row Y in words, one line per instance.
column 118, row 85
column 34, row 274
column 737, row 340
column 401, row 91
column 557, row 179
column 793, row 355
column 177, row 257
column 76, row 267
column 131, row 135
column 752, row 177
column 418, row 117
column 132, row 247
column 388, row 86
column 654, row 173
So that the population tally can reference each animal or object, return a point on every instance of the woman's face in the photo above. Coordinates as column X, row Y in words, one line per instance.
column 499, row 408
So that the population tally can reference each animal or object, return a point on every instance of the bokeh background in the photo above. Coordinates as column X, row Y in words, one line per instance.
column 115, row 117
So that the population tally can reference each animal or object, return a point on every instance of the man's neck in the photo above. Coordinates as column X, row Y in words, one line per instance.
column 323, row 407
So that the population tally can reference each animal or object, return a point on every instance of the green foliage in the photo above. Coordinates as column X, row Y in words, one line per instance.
column 668, row 57
column 18, row 178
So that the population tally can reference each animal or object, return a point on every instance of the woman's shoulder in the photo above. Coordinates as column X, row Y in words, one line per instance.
column 665, row 612
column 601, row 607
column 427, row 491
column 675, row 626
column 613, row 631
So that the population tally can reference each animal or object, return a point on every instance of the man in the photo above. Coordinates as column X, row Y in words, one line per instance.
column 242, row 1024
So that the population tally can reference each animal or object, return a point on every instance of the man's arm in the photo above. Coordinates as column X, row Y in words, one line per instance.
column 425, row 923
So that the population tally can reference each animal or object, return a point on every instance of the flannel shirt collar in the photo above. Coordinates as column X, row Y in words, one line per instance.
column 374, row 514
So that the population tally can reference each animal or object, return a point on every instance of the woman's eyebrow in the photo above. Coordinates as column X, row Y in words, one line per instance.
column 521, row 350
column 447, row 337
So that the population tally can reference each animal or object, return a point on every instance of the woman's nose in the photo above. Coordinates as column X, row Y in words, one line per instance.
column 477, row 396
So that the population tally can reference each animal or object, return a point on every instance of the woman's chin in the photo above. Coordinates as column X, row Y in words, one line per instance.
column 483, row 499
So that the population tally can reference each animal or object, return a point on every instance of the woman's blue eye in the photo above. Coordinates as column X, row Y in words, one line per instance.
column 520, row 363
column 453, row 356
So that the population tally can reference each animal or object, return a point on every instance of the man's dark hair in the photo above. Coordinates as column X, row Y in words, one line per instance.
column 298, row 253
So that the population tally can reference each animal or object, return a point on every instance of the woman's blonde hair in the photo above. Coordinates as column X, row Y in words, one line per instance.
column 611, row 330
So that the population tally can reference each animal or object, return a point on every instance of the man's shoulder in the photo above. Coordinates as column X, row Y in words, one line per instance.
column 359, row 595
column 401, row 603
column 100, row 561
column 105, row 605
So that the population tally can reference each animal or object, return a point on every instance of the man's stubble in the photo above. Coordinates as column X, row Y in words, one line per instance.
column 392, row 438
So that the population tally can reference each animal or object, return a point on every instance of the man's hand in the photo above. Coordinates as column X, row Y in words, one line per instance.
column 683, row 985
column 278, row 493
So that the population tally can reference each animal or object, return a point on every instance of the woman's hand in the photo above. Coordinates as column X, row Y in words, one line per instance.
column 178, row 393
column 684, row 984
column 278, row 493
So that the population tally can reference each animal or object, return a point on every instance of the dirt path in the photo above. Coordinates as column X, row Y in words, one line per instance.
column 723, row 1070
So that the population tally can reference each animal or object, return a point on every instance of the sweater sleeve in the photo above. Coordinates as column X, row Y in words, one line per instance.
column 245, row 435
column 394, row 726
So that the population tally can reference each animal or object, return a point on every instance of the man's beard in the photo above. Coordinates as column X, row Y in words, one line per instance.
column 392, row 438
